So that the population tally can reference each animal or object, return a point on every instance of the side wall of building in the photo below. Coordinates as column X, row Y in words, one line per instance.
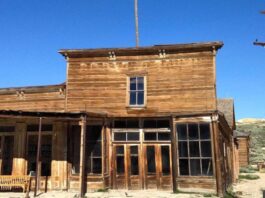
column 243, row 150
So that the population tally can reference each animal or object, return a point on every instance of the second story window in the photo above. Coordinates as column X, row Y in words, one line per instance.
column 137, row 91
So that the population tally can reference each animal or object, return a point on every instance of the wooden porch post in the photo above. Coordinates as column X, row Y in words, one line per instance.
column 174, row 154
column 82, row 156
column 217, row 156
column 37, row 173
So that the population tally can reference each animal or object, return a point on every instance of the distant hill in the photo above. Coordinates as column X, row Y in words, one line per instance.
column 257, row 138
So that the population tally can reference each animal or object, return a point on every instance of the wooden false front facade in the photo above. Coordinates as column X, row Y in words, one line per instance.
column 131, row 118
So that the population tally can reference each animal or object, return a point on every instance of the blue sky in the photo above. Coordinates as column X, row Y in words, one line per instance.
column 32, row 31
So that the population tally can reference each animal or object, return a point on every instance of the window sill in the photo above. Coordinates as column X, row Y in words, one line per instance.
column 136, row 107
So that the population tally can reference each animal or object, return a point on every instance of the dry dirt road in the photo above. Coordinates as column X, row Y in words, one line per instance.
column 251, row 188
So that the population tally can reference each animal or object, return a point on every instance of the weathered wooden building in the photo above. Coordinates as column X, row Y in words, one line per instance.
column 243, row 146
column 126, row 118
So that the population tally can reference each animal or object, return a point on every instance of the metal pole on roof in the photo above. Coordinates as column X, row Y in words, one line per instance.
column 262, row 44
column 136, row 22
column 37, row 173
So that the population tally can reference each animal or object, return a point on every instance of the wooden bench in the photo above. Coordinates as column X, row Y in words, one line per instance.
column 8, row 182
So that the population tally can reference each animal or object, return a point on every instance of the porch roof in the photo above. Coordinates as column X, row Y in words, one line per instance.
column 60, row 115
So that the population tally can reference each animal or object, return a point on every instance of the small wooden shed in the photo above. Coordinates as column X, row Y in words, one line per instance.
column 243, row 143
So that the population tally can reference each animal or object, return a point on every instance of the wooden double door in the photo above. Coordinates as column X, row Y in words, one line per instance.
column 146, row 166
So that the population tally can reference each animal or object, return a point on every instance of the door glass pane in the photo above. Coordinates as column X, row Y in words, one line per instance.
column 165, row 160
column 134, row 160
column 120, row 159
column 151, row 165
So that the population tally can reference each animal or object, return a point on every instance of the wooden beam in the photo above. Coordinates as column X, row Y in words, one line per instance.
column 82, row 156
column 174, row 154
column 37, row 174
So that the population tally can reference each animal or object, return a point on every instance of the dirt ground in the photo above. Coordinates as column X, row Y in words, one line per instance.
column 251, row 188
column 110, row 194
column 244, row 189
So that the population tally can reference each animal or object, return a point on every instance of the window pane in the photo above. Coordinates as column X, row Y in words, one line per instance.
column 183, row 149
column 97, row 165
column 97, row 150
column 195, row 167
column 132, row 83
column 140, row 98
column 150, row 136
column 120, row 124
column 206, row 149
column 140, row 83
column 182, row 131
column 7, row 128
column 88, row 165
column 151, row 165
column 193, row 131
column 194, row 149
column 132, row 123
column 149, row 123
column 119, row 136
column 207, row 168
column 93, row 133
column 163, row 136
column 132, row 136
column 165, row 160
column 163, row 124
column 205, row 131
column 184, row 167
column 132, row 98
